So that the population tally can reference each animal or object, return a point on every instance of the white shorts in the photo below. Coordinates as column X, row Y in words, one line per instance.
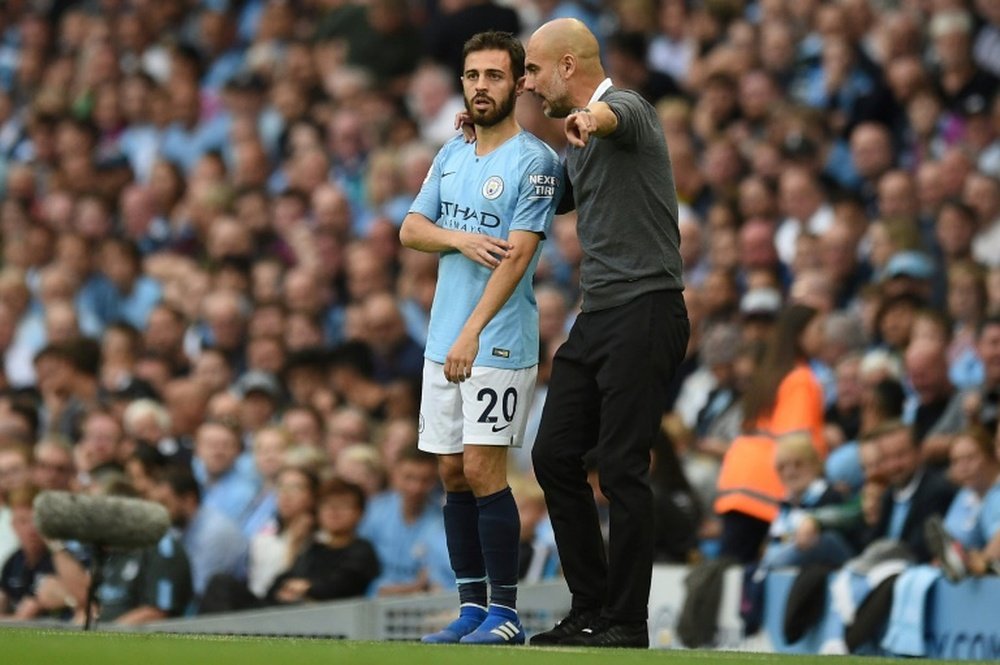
column 489, row 408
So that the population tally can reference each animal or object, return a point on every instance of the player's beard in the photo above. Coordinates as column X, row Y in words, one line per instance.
column 494, row 114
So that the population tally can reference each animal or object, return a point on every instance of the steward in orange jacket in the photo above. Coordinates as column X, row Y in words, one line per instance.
column 747, row 481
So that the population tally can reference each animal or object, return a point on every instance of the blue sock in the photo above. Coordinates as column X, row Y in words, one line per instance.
column 500, row 533
column 461, row 527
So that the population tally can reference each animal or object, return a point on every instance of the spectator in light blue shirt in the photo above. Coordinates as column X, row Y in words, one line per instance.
column 269, row 447
column 136, row 294
column 188, row 137
column 836, row 81
column 213, row 542
column 973, row 518
column 225, row 485
column 405, row 525
column 216, row 41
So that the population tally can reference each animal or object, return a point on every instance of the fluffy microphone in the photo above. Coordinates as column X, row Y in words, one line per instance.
column 107, row 521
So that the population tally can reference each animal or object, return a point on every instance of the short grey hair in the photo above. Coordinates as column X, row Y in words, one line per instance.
column 142, row 408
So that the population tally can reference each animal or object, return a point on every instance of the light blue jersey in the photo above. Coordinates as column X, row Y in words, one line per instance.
column 513, row 188
column 973, row 520
column 989, row 519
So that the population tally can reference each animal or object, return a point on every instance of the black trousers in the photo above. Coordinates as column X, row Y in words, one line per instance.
column 742, row 536
column 607, row 391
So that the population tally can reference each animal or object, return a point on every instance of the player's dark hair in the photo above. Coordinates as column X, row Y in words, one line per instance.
column 498, row 41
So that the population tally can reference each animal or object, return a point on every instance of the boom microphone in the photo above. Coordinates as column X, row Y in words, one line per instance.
column 107, row 521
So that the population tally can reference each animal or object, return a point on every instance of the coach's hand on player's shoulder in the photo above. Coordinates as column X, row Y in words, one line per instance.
column 483, row 249
column 458, row 362
column 464, row 122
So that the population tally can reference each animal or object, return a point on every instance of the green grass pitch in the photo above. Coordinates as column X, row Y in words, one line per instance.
column 42, row 647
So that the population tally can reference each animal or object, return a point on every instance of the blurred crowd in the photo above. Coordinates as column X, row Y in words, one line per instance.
column 204, row 302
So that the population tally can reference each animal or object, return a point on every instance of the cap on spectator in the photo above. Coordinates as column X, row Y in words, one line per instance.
column 760, row 302
column 908, row 264
column 258, row 381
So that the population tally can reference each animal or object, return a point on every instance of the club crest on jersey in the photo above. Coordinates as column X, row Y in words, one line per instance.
column 493, row 187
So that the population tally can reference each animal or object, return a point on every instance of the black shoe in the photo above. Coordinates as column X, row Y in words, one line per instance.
column 574, row 622
column 605, row 633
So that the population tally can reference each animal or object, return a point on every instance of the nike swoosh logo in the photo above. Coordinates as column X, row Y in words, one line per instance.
column 446, row 174
column 499, row 429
